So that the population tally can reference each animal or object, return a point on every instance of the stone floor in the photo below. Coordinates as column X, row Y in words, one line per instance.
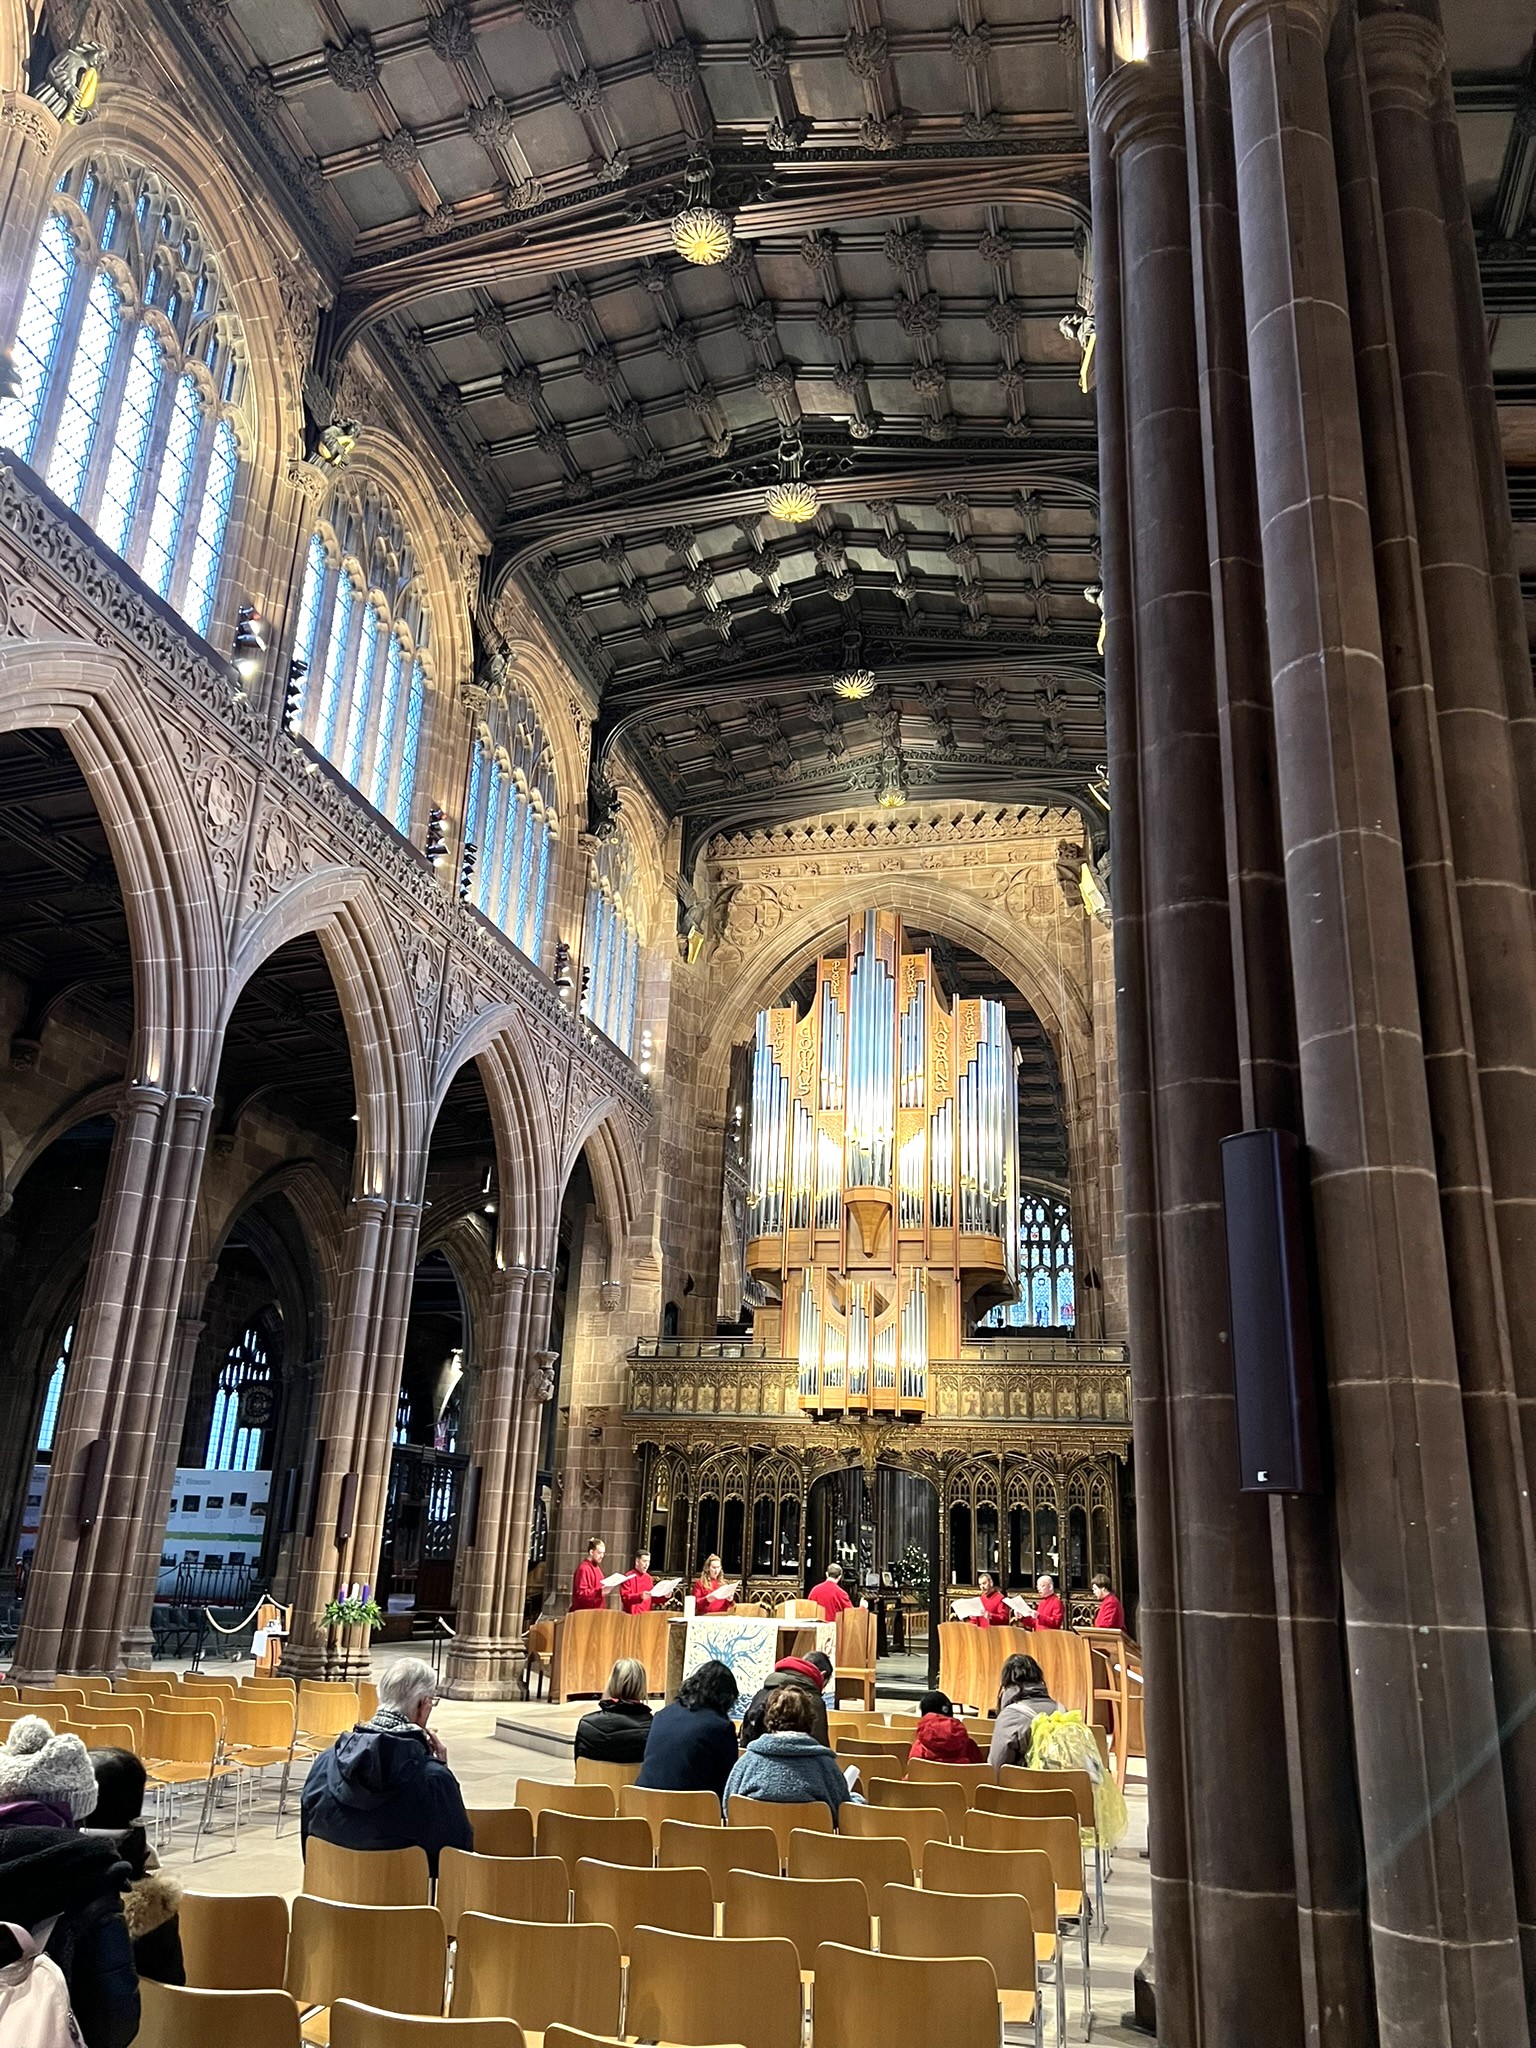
column 488, row 1768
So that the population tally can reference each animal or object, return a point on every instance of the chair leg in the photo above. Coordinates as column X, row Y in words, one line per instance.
column 1098, row 1886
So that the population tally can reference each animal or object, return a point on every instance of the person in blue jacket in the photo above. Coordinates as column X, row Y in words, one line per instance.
column 386, row 1784
column 692, row 1743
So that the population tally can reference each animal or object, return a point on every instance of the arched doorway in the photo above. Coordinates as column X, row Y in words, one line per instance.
column 882, row 1527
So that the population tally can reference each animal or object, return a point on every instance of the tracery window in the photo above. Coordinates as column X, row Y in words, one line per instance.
column 242, row 1407
column 1047, row 1289
column 613, row 941
column 50, row 1417
column 131, row 390
column 365, row 634
column 511, row 817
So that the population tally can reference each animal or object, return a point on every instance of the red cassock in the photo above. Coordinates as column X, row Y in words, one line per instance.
column 587, row 1586
column 1111, row 1614
column 1049, row 1612
column 996, row 1612
column 635, row 1593
column 707, row 1602
column 830, row 1598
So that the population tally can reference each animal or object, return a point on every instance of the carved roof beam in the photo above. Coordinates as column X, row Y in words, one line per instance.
column 769, row 57
column 867, row 53
column 970, row 44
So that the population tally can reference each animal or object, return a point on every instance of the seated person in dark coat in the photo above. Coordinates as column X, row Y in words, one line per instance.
column 810, row 1674
column 692, row 1747
column 617, row 1732
column 386, row 1784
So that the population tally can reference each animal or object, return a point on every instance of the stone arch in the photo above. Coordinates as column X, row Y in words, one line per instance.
column 159, row 846
column 383, row 1030
column 613, row 1160
column 526, row 1141
column 101, row 1098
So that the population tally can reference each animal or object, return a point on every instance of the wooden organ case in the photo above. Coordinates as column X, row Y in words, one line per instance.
column 882, row 1174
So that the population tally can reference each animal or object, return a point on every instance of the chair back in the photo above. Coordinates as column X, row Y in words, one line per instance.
column 10, row 1695
column 590, row 1770
column 949, row 1799
column 92, row 1683
column 366, row 1877
column 234, row 1941
column 52, row 1696
column 916, row 1825
column 751, row 1608
column 252, row 1683
column 600, row 1801
column 502, row 1831
column 574, row 1835
column 171, row 2016
column 323, row 1711
column 875, row 1860
column 1014, row 1778
column 397, row 1954
column 684, row 1987
column 922, row 1771
column 996, row 1925
column 624, row 1896
column 948, row 1867
column 881, row 2001
column 804, row 1910
column 540, row 1640
column 364, row 2026
column 685, row 1845
column 537, row 1974
column 145, row 1681
column 874, row 1763
column 872, row 1742
column 1022, row 1803
column 799, row 1610
column 639, row 1802
column 263, row 1722
column 1058, row 1835
column 367, row 1699
column 507, row 1887
column 782, row 1815
column 123, row 1734
column 112, row 1711
column 186, row 1735
column 198, row 1682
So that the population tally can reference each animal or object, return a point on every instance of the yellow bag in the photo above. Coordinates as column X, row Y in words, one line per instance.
column 1061, row 1742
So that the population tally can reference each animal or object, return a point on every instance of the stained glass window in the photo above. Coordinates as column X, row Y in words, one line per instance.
column 495, row 825
column 612, row 941
column 95, row 351
column 235, row 1439
column 54, row 1396
column 335, row 663
column 511, row 840
column 389, row 720
column 521, row 927
column 1047, row 1294
column 363, row 674
column 415, row 712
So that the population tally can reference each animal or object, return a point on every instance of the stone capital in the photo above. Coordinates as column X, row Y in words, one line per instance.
column 1223, row 22
column 1404, row 58
column 31, row 120
column 1142, row 101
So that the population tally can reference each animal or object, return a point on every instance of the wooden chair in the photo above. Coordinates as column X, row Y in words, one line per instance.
column 506, row 1887
column 626, row 1896
column 995, row 1925
column 252, row 1682
column 639, row 1802
column 718, row 1850
column 870, row 1742
column 683, row 1987
column 855, row 1656
column 949, row 1799
column 537, row 1974
column 364, row 2026
column 599, row 1801
column 1036, row 1793
column 92, row 1683
column 144, row 1681
column 916, row 1825
column 182, row 1748
column 502, row 1830
column 396, row 1954
column 86, row 1721
column 804, row 1910
column 574, row 1835
column 322, row 1711
column 258, row 1733
column 590, row 1771
column 753, row 1608
column 950, row 1867
column 782, row 1815
column 174, row 2017
column 538, row 1655
column 234, row 1941
column 920, row 1771
column 881, row 2001
column 36, row 1696
column 366, row 1877
column 875, row 1860
column 198, row 1682
column 105, row 1734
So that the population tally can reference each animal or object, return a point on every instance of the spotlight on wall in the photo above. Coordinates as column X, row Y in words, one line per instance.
column 246, row 653
column 436, row 845
column 467, row 869
column 293, row 696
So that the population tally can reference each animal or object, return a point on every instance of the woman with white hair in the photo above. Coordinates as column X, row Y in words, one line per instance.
column 386, row 1784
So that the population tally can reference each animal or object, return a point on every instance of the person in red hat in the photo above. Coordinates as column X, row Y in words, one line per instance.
column 941, row 1737
column 635, row 1592
column 810, row 1674
column 587, row 1586
column 830, row 1596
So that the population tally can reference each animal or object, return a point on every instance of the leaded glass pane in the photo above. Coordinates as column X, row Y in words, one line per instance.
column 335, row 659
column 415, row 711
column 172, row 486
column 81, row 414
column 520, row 925
column 135, row 417
column 511, row 839
column 535, row 945
column 308, row 620
column 495, row 823
column 389, row 719
column 37, row 337
column 212, row 525
column 351, row 763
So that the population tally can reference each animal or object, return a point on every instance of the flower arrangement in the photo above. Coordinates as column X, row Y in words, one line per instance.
column 353, row 1607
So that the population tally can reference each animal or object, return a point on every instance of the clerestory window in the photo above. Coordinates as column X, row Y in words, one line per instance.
column 510, row 816
column 612, row 941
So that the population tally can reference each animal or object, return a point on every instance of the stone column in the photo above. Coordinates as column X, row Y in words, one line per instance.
column 29, row 135
column 1224, row 1902
column 1329, row 1854
column 516, row 1380
column 358, row 1397
column 1445, row 1957
column 81, row 1602
column 138, row 1640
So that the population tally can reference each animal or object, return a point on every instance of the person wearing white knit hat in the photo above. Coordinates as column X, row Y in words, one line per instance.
column 55, row 1878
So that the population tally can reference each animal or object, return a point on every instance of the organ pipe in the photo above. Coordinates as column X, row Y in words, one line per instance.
column 882, row 1172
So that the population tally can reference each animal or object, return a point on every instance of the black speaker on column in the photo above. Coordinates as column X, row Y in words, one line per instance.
column 1271, row 1313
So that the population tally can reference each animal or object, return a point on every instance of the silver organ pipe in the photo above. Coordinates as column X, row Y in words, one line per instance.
column 801, row 1155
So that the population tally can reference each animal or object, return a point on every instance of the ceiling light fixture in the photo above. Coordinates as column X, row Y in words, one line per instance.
column 791, row 498
column 701, row 233
column 854, row 682
column 892, row 793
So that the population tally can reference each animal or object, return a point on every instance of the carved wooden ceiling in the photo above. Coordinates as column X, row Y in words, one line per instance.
column 492, row 186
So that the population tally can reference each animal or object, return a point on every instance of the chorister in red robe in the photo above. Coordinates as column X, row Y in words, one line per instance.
column 1049, row 1611
column 587, row 1586
column 1111, row 1614
column 635, row 1593
column 830, row 1598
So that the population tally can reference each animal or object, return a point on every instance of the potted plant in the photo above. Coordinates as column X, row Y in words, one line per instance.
column 352, row 1609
